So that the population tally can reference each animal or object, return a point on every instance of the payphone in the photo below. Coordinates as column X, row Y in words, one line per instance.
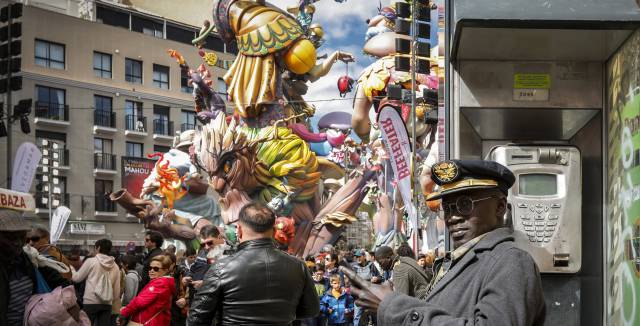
column 546, row 203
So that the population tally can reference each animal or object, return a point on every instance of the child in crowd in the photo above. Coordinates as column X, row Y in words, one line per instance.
column 337, row 304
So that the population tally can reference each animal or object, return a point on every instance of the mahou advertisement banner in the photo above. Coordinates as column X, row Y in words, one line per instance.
column 134, row 171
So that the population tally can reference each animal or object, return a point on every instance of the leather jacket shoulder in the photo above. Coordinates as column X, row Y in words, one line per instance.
column 256, row 285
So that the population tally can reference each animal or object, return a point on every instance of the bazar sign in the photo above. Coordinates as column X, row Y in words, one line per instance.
column 87, row 228
column 16, row 200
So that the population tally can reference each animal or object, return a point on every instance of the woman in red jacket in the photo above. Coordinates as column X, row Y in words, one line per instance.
column 152, row 306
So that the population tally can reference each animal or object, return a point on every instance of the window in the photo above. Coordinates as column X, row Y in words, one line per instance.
column 134, row 149
column 42, row 191
column 133, row 71
column 101, row 145
column 58, row 138
column 49, row 54
column 147, row 26
column 161, row 149
column 103, row 111
column 134, row 120
column 102, row 154
column 161, row 76
column 102, row 189
column 102, row 65
column 180, row 34
column 214, row 43
column 102, row 103
column 161, row 123
column 188, row 121
column 112, row 17
column 184, row 82
column 222, row 86
column 50, row 103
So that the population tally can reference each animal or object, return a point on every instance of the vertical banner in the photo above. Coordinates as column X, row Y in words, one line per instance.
column 134, row 171
column 398, row 145
column 58, row 221
column 25, row 166
column 622, row 269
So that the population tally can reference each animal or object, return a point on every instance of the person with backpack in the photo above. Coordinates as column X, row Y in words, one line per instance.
column 131, row 280
column 102, row 288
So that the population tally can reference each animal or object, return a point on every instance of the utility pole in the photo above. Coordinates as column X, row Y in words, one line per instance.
column 9, row 104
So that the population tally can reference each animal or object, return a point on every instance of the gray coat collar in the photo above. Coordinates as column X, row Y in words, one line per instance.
column 492, row 239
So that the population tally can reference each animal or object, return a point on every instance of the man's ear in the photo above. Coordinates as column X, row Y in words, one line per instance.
column 238, row 230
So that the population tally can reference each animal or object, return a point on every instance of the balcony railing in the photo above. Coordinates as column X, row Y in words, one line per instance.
column 63, row 155
column 63, row 198
column 136, row 123
column 104, row 204
column 104, row 161
column 104, row 118
column 163, row 127
column 187, row 126
column 52, row 111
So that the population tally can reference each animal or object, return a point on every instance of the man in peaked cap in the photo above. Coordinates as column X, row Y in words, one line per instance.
column 485, row 280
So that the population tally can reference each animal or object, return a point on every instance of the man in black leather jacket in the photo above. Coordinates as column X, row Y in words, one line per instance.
column 258, row 285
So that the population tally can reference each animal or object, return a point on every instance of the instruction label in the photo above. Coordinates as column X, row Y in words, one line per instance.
column 531, row 81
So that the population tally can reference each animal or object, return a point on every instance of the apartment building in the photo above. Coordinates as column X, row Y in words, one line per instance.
column 103, row 88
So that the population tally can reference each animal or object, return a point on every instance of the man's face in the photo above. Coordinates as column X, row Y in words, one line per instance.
column 191, row 259
column 148, row 244
column 362, row 259
column 484, row 214
column 318, row 275
column 209, row 243
column 328, row 261
column 385, row 262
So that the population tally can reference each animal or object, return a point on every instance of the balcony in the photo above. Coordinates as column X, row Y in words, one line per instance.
column 105, row 207
column 187, row 126
column 51, row 114
column 104, row 164
column 163, row 129
column 135, row 126
column 104, row 122
column 42, row 201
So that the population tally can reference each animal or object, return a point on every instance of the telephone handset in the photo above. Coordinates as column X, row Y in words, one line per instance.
column 546, row 203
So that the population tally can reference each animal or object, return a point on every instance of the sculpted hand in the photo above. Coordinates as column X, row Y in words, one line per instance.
column 345, row 57
column 369, row 295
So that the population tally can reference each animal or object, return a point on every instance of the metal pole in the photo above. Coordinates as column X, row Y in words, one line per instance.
column 9, row 104
column 447, row 94
column 414, row 201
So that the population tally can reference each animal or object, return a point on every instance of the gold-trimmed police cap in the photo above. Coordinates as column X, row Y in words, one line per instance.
column 455, row 176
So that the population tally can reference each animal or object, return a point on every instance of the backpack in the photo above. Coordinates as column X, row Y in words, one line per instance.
column 104, row 289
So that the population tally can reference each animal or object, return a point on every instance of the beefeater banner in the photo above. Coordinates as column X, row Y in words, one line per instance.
column 398, row 145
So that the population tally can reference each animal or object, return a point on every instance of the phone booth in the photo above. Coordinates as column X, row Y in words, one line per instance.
column 528, row 88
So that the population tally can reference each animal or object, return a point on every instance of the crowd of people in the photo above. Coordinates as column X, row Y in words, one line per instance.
column 485, row 278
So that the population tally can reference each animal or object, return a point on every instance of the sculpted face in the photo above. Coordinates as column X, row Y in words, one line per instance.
column 233, row 178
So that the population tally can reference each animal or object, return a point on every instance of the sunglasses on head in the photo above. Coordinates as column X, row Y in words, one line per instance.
column 155, row 269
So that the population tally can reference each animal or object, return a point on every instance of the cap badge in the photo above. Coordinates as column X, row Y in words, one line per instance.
column 445, row 171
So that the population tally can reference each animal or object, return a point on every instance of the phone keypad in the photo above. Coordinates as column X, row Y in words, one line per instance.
column 539, row 221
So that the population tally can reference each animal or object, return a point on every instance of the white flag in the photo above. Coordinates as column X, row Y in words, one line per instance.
column 58, row 221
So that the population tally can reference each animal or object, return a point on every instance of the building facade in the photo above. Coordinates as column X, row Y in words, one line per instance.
column 103, row 88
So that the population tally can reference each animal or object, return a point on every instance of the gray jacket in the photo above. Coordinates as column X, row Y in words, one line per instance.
column 409, row 278
column 494, row 284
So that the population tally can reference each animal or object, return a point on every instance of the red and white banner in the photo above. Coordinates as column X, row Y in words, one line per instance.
column 396, row 139
column 24, row 167
column 15, row 200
